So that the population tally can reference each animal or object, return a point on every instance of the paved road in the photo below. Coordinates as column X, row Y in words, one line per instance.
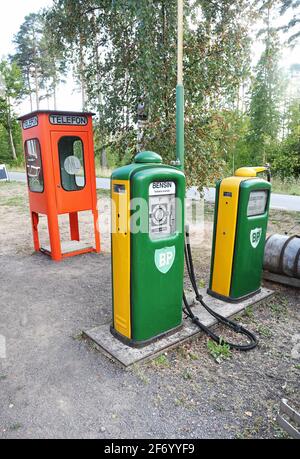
column 278, row 201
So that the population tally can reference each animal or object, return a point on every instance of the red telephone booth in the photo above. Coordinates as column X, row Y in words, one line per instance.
column 60, row 166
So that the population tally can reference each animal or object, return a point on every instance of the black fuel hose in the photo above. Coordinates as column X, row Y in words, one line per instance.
column 223, row 320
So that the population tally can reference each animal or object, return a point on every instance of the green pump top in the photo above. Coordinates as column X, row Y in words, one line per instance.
column 146, row 157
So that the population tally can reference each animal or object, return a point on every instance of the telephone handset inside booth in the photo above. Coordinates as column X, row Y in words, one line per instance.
column 71, row 158
column 162, row 209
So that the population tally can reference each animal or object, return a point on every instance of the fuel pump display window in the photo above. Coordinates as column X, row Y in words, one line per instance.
column 162, row 209
column 71, row 159
column 34, row 166
column 257, row 203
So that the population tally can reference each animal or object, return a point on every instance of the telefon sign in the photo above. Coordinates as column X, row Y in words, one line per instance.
column 68, row 120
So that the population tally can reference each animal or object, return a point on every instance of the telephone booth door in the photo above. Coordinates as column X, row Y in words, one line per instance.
column 71, row 171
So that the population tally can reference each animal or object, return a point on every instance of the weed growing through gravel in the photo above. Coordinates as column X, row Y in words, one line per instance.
column 161, row 360
column 219, row 351
column 264, row 331
column 249, row 312
column 15, row 427
column 279, row 309
column 187, row 375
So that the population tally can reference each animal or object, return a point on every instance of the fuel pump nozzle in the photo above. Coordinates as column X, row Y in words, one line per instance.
column 253, row 171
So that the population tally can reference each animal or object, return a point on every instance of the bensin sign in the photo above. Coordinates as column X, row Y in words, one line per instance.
column 162, row 188
column 68, row 120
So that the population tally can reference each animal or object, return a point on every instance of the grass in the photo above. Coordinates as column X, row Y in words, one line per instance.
column 219, row 351
column 13, row 168
column 288, row 186
column 187, row 375
column 278, row 309
column 13, row 195
column 17, row 201
column 264, row 331
column 248, row 312
column 161, row 360
column 15, row 427
column 103, row 193
column 104, row 172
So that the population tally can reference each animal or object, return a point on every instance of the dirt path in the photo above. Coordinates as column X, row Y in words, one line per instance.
column 53, row 385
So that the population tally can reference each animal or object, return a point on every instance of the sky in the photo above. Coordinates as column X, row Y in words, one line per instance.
column 14, row 12
column 11, row 17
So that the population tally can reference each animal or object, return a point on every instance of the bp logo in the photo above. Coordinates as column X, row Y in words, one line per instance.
column 255, row 236
column 164, row 259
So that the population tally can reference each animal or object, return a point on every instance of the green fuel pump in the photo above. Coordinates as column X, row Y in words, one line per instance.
column 147, row 249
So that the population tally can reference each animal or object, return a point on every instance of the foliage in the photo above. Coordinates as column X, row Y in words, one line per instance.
column 219, row 351
column 40, row 60
column 287, row 160
column 293, row 26
column 266, row 95
column 125, row 51
column 5, row 154
column 11, row 90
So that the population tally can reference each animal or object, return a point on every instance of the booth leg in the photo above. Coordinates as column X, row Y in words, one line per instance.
column 54, row 236
column 35, row 231
column 96, row 229
column 74, row 226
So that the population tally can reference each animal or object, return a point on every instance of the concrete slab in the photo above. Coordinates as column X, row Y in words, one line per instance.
column 281, row 279
column 69, row 247
column 126, row 356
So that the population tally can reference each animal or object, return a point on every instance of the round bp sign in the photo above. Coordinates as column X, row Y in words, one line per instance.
column 72, row 165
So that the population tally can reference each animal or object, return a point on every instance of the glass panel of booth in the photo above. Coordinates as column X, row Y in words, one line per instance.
column 71, row 160
column 34, row 167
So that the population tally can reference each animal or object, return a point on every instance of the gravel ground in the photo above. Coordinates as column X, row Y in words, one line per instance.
column 53, row 385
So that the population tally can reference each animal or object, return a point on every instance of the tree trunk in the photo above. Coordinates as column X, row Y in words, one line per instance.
column 81, row 73
column 10, row 134
column 36, row 81
column 30, row 92
column 54, row 93
column 37, row 96
column 98, row 69
column 103, row 158
column 12, row 145
column 166, row 61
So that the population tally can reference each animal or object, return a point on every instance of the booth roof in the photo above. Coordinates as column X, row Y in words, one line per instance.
column 54, row 112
